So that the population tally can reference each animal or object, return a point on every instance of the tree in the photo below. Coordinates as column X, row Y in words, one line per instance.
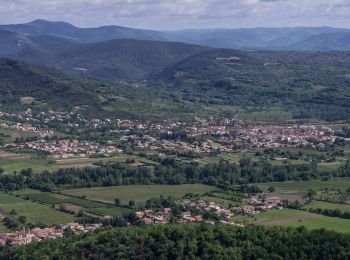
column 131, row 203
column 117, row 202
column 271, row 189
column 2, row 170
column 22, row 219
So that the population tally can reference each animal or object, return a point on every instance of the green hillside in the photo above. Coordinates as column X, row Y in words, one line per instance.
column 45, row 85
column 113, row 60
column 53, row 89
column 310, row 85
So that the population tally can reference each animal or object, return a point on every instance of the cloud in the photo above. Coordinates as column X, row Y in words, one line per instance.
column 178, row 14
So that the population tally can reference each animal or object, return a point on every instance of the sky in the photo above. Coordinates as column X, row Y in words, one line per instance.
column 180, row 14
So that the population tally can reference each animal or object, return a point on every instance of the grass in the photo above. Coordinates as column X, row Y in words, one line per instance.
column 138, row 193
column 34, row 212
column 328, row 205
column 301, row 188
column 318, row 222
column 267, row 114
column 297, row 218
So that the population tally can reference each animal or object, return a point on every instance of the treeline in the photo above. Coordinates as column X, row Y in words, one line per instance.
column 331, row 212
column 169, row 171
column 190, row 242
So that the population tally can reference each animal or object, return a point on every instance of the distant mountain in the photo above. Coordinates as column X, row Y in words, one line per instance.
column 113, row 60
column 11, row 42
column 298, row 38
column 327, row 42
column 253, row 38
column 84, row 35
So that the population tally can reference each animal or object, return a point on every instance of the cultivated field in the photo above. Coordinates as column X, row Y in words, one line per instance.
column 301, row 188
column 297, row 218
column 328, row 205
column 72, row 204
column 34, row 212
column 11, row 162
column 138, row 193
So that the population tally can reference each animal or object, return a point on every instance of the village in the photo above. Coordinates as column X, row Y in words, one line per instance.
column 27, row 236
column 210, row 212
column 192, row 211
column 202, row 136
column 63, row 149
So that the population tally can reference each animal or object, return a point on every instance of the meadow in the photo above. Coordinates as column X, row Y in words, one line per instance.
column 270, row 114
column 297, row 218
column 34, row 212
column 328, row 205
column 301, row 188
column 53, row 199
column 12, row 162
column 138, row 193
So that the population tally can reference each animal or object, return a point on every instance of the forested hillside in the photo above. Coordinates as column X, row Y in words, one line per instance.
column 24, row 85
column 191, row 242
column 114, row 60
column 311, row 85
column 47, row 85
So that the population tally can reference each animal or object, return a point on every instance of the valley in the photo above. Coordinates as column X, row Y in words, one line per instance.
column 110, row 133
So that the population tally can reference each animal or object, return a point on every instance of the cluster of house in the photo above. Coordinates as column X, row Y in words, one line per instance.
column 163, row 217
column 229, row 134
column 256, row 204
column 27, row 128
column 232, row 136
column 292, row 136
column 207, row 130
column 152, row 217
column 151, row 143
column 27, row 236
column 69, row 148
column 205, row 206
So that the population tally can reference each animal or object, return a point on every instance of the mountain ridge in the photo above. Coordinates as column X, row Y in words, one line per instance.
column 284, row 38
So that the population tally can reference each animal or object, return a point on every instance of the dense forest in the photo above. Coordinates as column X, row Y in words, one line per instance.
column 169, row 171
column 190, row 242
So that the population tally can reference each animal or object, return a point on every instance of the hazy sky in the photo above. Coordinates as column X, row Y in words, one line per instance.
column 179, row 14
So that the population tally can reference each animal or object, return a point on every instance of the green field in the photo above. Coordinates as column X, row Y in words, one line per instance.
column 301, row 188
column 138, row 193
column 297, row 218
column 11, row 162
column 267, row 114
column 54, row 199
column 35, row 212
column 328, row 205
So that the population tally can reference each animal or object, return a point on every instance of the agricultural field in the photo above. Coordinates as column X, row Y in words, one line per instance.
column 301, row 188
column 72, row 203
column 138, row 193
column 297, row 218
column 267, row 114
column 328, row 205
column 34, row 212
column 12, row 162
